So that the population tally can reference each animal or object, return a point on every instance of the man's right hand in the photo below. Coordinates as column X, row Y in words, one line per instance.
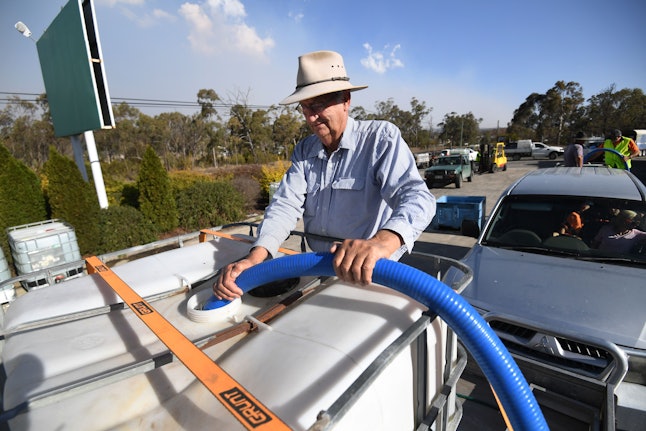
column 225, row 286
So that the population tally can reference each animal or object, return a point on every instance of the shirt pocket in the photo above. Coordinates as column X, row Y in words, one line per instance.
column 348, row 196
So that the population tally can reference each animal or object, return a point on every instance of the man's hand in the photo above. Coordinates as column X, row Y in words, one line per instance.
column 225, row 286
column 355, row 259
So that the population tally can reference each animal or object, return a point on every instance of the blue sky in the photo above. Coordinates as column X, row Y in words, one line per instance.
column 456, row 56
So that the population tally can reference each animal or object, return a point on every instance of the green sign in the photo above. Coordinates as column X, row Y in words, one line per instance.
column 73, row 72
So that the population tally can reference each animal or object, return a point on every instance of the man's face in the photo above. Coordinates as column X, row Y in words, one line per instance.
column 327, row 116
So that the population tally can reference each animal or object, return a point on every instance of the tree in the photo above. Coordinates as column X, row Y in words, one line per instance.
column 526, row 118
column 548, row 117
column 156, row 201
column 72, row 199
column 287, row 130
column 206, row 99
column 610, row 109
column 458, row 130
column 125, row 139
column 560, row 105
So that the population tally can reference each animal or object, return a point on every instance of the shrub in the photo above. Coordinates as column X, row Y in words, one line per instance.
column 124, row 227
column 181, row 180
column 21, row 198
column 72, row 199
column 208, row 204
column 271, row 174
column 156, row 201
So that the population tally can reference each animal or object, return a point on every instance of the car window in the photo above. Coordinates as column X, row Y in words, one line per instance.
column 576, row 227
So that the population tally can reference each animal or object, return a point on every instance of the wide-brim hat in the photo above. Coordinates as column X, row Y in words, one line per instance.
column 320, row 72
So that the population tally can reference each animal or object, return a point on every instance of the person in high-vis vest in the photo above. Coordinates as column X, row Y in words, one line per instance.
column 623, row 145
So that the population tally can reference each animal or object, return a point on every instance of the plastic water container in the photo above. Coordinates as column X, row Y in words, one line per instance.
column 452, row 210
column 272, row 189
column 42, row 245
column 5, row 273
column 7, row 293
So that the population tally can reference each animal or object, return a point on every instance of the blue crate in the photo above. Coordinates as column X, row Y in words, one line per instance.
column 452, row 210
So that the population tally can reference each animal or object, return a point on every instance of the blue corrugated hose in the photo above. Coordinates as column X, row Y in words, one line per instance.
column 483, row 343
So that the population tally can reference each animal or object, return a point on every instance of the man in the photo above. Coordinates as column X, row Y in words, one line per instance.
column 573, row 155
column 352, row 180
column 623, row 145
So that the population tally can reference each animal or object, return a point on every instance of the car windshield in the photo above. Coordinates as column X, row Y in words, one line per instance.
column 593, row 229
column 451, row 160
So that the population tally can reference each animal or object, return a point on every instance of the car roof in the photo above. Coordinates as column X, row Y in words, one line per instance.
column 592, row 181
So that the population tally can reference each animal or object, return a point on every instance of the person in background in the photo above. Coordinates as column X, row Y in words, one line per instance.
column 352, row 180
column 573, row 223
column 624, row 146
column 573, row 155
column 620, row 236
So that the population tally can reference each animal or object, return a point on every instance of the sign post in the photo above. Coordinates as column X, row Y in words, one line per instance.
column 77, row 92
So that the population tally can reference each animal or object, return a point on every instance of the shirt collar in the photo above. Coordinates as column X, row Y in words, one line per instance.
column 348, row 141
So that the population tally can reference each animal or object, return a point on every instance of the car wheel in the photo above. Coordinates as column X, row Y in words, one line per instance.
column 552, row 156
column 458, row 181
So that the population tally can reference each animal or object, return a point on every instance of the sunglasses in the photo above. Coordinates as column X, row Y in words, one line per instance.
column 320, row 105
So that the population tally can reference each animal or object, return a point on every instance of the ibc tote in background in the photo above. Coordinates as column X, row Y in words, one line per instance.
column 42, row 245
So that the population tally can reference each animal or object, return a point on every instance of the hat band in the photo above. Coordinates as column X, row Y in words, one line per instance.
column 341, row 78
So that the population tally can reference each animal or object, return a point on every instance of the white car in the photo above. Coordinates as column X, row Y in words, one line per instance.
column 540, row 150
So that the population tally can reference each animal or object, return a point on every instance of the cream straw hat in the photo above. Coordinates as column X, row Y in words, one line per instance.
column 320, row 72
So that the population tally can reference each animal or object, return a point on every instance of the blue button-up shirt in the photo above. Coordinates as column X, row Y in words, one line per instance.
column 369, row 183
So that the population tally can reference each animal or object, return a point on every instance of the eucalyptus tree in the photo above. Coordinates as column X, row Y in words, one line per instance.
column 207, row 99
column 526, row 118
column 458, row 130
column 120, row 141
column 287, row 129
column 28, row 132
column 610, row 109
column 560, row 105
column 548, row 117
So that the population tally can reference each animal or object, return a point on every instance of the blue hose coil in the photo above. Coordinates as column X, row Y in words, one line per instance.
column 607, row 150
column 492, row 356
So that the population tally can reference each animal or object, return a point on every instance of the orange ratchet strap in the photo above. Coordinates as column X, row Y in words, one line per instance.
column 245, row 407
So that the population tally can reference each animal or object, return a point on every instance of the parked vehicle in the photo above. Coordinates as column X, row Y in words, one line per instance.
column 640, row 140
column 449, row 169
column 540, row 150
column 423, row 160
column 470, row 152
column 518, row 149
column 572, row 315
column 527, row 148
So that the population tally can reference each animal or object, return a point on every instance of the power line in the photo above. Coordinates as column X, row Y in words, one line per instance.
column 135, row 102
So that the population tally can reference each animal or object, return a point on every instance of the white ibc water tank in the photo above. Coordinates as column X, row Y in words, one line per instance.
column 41, row 245
column 5, row 274
column 7, row 293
